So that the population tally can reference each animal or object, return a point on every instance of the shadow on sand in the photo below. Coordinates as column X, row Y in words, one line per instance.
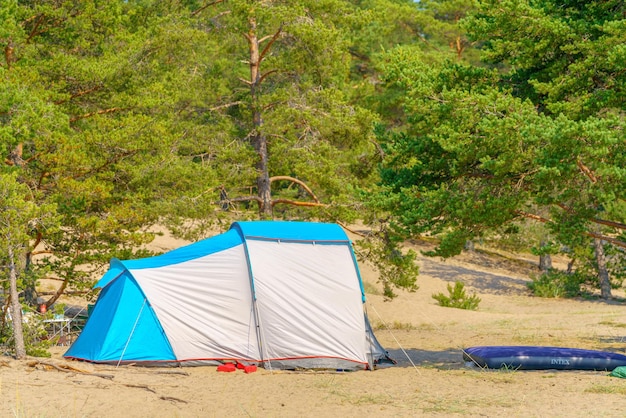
column 444, row 360
column 482, row 281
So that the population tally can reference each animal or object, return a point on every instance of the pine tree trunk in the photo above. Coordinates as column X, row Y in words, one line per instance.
column 603, row 273
column 263, row 180
column 545, row 260
column 259, row 139
column 16, row 309
column 30, row 293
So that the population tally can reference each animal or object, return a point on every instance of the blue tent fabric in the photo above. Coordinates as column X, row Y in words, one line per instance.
column 306, row 231
column 128, row 321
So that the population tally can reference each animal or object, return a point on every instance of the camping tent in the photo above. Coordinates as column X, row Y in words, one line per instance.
column 279, row 294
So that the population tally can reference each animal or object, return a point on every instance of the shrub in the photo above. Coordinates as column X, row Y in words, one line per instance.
column 35, row 336
column 457, row 298
column 557, row 284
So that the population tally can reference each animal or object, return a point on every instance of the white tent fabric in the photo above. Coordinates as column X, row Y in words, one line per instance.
column 197, row 317
column 326, row 319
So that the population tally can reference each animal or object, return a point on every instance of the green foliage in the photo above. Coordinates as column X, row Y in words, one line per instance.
column 565, row 56
column 115, row 116
column 557, row 284
column 586, row 267
column 457, row 298
column 84, row 129
column 119, row 115
column 21, row 221
column 546, row 248
column 456, row 167
column 397, row 269
column 36, row 338
column 35, row 334
column 477, row 149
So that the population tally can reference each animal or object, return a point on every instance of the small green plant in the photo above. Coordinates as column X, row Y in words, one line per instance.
column 395, row 325
column 457, row 298
column 556, row 284
column 36, row 338
column 509, row 368
column 59, row 309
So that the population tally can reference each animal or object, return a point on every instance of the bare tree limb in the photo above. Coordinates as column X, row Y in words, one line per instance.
column 197, row 11
column 35, row 31
column 212, row 109
column 347, row 228
column 297, row 203
column 316, row 203
column 79, row 94
column 269, row 44
column 245, row 199
column 586, row 171
column 613, row 224
column 9, row 53
column 56, row 295
column 265, row 75
column 67, row 292
column 612, row 240
column 295, row 180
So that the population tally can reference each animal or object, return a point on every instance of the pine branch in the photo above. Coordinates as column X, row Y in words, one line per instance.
column 79, row 94
column 202, row 8
column 297, row 203
column 613, row 241
column 269, row 44
column 99, row 112
column 294, row 180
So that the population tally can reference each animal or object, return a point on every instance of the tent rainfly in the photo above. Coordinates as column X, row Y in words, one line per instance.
column 277, row 294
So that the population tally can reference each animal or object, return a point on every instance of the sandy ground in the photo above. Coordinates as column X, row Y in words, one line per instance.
column 430, row 379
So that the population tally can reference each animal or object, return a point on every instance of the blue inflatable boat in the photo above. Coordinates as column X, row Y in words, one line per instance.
column 542, row 358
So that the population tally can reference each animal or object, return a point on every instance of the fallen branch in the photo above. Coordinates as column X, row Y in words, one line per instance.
column 170, row 398
column 173, row 372
column 140, row 387
column 67, row 369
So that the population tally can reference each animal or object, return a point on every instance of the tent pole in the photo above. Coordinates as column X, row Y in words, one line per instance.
column 370, row 360
column 259, row 336
column 255, row 309
column 131, row 333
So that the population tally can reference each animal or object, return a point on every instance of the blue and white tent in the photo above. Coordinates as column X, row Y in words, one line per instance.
column 281, row 295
